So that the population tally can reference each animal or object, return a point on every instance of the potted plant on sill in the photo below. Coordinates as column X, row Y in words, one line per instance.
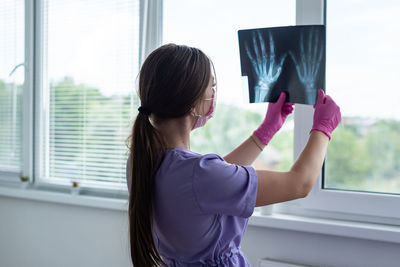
column 24, row 181
column 75, row 187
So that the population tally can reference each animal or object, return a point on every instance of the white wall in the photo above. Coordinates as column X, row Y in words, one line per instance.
column 35, row 233
column 317, row 249
column 43, row 234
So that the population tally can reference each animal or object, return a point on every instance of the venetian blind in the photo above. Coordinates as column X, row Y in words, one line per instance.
column 11, row 83
column 90, row 62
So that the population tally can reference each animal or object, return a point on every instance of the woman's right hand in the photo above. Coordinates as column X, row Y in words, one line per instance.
column 326, row 115
column 276, row 115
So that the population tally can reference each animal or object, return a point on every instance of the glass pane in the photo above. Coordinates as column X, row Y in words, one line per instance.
column 363, row 41
column 90, row 62
column 213, row 28
column 12, row 57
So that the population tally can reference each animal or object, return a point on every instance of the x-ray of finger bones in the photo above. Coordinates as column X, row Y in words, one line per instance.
column 289, row 59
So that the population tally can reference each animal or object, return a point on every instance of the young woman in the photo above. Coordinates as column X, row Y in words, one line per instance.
column 188, row 209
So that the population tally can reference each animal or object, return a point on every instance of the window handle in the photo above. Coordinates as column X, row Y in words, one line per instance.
column 15, row 68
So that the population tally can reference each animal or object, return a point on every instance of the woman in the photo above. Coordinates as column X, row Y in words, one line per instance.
column 187, row 209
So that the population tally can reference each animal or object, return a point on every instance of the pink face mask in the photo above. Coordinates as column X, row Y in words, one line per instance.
column 202, row 119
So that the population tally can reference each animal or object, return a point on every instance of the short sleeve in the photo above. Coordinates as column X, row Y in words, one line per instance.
column 223, row 188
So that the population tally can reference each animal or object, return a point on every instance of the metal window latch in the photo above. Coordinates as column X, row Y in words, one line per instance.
column 15, row 68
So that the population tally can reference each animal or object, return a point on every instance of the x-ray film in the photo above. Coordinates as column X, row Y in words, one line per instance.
column 283, row 59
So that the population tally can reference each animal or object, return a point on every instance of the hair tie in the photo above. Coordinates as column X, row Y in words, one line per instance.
column 144, row 111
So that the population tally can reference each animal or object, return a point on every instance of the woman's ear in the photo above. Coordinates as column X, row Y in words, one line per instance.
column 192, row 110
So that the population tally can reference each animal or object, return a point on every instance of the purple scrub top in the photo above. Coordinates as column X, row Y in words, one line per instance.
column 201, row 209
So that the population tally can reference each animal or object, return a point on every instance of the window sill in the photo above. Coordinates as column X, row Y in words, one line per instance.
column 349, row 229
column 65, row 198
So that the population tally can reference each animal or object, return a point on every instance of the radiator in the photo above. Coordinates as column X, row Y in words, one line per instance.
column 278, row 263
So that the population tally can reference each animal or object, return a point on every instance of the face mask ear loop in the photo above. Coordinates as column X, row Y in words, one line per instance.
column 211, row 97
column 208, row 99
column 193, row 113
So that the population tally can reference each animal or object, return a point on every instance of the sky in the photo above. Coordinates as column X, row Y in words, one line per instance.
column 363, row 38
column 212, row 26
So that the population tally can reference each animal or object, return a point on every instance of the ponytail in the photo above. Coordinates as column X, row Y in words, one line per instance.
column 146, row 147
column 172, row 79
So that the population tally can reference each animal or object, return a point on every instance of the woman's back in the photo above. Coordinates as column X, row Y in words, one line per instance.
column 191, row 225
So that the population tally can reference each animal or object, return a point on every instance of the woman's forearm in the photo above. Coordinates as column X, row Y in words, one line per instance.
column 245, row 153
column 308, row 165
column 248, row 151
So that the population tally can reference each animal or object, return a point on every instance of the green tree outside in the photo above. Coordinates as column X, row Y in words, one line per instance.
column 362, row 155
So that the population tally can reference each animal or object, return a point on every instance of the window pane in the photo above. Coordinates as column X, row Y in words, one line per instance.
column 213, row 28
column 90, row 61
column 11, row 83
column 363, row 41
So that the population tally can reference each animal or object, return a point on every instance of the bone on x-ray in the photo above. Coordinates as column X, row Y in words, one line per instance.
column 289, row 59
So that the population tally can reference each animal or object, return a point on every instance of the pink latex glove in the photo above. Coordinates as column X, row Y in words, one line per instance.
column 273, row 121
column 326, row 115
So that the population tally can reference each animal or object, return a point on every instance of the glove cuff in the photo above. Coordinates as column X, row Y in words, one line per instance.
column 263, row 136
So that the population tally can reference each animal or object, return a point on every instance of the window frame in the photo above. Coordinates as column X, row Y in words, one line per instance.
column 331, row 203
column 150, row 29
column 10, row 177
column 28, row 95
column 150, row 36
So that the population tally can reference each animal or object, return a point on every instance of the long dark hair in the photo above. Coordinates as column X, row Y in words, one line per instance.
column 172, row 79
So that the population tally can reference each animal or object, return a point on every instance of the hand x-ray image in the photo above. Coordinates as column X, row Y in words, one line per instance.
column 289, row 59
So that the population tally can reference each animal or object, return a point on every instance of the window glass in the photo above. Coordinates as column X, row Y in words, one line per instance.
column 212, row 26
column 12, row 58
column 363, row 40
column 90, row 62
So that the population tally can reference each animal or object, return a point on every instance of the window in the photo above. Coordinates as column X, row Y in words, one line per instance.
column 359, row 178
column 11, row 85
column 363, row 74
column 213, row 28
column 89, row 54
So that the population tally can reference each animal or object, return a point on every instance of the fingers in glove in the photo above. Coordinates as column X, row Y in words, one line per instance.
column 321, row 97
column 287, row 110
column 288, row 106
column 281, row 100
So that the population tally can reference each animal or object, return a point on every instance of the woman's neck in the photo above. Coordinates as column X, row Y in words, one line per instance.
column 176, row 131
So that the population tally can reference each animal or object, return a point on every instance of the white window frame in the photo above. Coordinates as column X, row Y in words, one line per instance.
column 28, row 95
column 27, row 103
column 150, row 37
column 328, row 203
